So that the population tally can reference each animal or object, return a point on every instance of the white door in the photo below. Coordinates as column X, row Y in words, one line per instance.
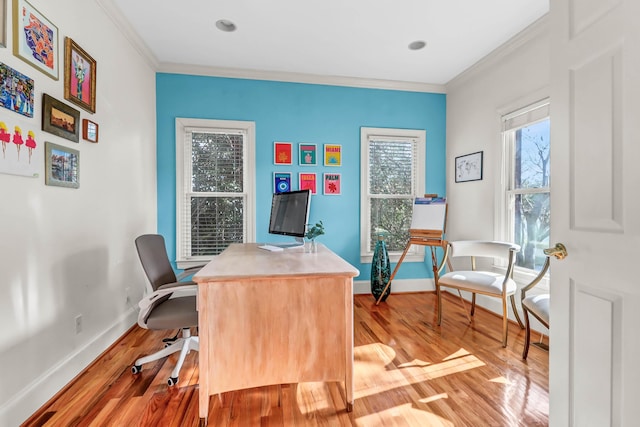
column 595, row 205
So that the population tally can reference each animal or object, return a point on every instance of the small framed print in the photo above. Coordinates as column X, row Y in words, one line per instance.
column 282, row 153
column 469, row 167
column 62, row 166
column 281, row 182
column 89, row 130
column 307, row 182
column 307, row 154
column 332, row 155
column 60, row 119
column 331, row 184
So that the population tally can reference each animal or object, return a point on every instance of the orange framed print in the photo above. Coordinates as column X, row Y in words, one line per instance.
column 79, row 76
column 282, row 153
column 89, row 130
column 307, row 182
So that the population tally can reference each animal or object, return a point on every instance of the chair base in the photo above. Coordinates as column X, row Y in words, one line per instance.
column 184, row 345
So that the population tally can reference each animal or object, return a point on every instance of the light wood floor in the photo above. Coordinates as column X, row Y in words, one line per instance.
column 408, row 372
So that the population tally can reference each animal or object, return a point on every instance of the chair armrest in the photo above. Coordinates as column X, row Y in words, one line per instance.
column 189, row 271
column 181, row 288
column 559, row 252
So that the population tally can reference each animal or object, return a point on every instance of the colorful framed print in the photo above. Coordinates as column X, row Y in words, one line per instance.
column 79, row 76
column 60, row 119
column 16, row 91
column 332, row 155
column 331, row 184
column 307, row 154
column 281, row 182
column 307, row 181
column 282, row 153
column 35, row 38
column 21, row 154
column 62, row 166
column 89, row 130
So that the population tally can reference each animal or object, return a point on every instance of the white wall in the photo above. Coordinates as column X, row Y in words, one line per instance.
column 513, row 76
column 66, row 252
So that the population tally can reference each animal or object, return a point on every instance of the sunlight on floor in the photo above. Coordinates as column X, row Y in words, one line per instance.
column 403, row 415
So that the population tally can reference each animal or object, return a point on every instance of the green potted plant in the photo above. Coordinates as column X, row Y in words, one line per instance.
column 312, row 232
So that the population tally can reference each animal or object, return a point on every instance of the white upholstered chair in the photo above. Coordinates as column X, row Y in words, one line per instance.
column 490, row 283
column 538, row 304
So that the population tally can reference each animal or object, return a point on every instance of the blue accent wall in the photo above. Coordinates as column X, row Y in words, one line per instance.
column 295, row 112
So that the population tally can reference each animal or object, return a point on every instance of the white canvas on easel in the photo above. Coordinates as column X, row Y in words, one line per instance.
column 429, row 216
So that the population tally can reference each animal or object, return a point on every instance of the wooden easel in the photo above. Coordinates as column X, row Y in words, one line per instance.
column 432, row 237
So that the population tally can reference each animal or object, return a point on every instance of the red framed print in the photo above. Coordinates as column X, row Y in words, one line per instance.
column 79, row 76
column 332, row 155
column 308, row 154
column 331, row 184
column 89, row 130
column 282, row 153
column 307, row 182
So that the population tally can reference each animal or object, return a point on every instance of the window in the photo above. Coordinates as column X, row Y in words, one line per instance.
column 214, row 187
column 392, row 175
column 526, row 197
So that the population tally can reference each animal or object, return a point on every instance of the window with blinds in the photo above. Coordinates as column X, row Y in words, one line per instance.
column 393, row 174
column 527, row 191
column 214, row 191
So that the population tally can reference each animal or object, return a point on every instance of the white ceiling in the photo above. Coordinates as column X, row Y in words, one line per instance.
column 364, row 39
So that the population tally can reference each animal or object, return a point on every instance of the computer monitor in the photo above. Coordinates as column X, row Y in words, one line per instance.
column 290, row 214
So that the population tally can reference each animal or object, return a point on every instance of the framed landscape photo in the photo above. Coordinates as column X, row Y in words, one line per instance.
column 89, row 130
column 60, row 119
column 469, row 167
column 79, row 76
column 62, row 166
column 35, row 38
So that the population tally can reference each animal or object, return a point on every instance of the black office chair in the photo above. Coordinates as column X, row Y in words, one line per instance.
column 171, row 305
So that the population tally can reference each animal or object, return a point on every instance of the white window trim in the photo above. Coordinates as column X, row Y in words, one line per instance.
column 417, row 253
column 502, row 220
column 246, row 127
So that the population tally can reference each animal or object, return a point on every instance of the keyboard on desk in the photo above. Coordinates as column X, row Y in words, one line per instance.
column 270, row 248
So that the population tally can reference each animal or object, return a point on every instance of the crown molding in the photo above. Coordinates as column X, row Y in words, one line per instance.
column 129, row 33
column 289, row 77
column 536, row 29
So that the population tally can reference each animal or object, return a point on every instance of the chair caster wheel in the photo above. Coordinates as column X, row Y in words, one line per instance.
column 136, row 369
column 172, row 381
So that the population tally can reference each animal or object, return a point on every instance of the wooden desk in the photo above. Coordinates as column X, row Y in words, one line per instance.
column 274, row 318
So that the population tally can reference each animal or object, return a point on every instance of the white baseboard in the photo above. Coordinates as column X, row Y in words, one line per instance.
column 29, row 399
column 397, row 286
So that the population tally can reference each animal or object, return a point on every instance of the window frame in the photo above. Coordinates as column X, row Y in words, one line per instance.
column 419, row 138
column 511, row 120
column 186, row 126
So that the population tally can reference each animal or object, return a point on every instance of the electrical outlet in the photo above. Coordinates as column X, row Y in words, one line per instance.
column 78, row 324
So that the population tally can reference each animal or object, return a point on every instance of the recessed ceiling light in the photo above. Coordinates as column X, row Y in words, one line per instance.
column 417, row 45
column 225, row 25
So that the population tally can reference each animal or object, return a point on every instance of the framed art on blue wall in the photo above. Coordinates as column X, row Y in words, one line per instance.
column 281, row 182
column 308, row 154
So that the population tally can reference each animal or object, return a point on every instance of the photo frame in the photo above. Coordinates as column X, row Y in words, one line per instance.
column 79, row 76
column 332, row 155
column 89, row 130
column 17, row 95
column 30, row 25
column 3, row 23
column 282, row 153
column 281, row 182
column 307, row 181
column 307, row 154
column 62, row 166
column 469, row 167
column 331, row 184
column 60, row 119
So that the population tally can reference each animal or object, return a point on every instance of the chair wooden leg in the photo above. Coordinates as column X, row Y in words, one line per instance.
column 473, row 303
column 505, row 323
column 527, row 336
column 439, row 295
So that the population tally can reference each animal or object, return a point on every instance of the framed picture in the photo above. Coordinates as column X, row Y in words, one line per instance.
column 79, row 76
column 60, row 119
column 3, row 23
column 307, row 181
column 35, row 38
column 308, row 154
column 331, row 184
column 16, row 92
column 332, row 155
column 62, row 166
column 281, row 182
column 89, row 130
column 469, row 167
column 282, row 153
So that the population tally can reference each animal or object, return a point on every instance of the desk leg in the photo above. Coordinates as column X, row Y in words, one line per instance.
column 348, row 303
